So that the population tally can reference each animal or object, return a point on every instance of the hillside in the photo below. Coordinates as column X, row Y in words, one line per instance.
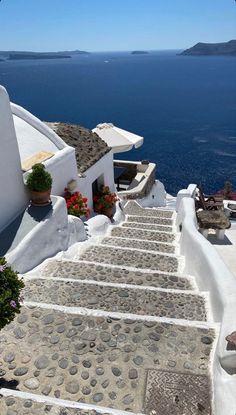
column 205, row 49
column 17, row 55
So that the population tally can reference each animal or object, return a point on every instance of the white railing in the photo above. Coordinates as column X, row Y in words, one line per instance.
column 211, row 273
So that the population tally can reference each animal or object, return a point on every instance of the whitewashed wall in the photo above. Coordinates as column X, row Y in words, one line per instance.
column 13, row 194
column 62, row 165
column 104, row 166
column 203, row 261
column 38, row 125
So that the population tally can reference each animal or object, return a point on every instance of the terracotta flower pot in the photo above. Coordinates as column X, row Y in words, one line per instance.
column 40, row 198
column 108, row 212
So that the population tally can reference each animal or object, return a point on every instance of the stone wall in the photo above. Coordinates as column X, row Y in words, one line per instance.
column 89, row 147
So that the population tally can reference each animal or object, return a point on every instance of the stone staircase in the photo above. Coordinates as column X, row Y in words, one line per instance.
column 117, row 330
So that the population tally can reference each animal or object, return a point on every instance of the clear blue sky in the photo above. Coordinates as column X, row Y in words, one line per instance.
column 102, row 25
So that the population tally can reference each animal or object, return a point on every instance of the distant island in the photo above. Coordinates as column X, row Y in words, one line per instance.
column 15, row 55
column 139, row 52
column 21, row 56
column 212, row 49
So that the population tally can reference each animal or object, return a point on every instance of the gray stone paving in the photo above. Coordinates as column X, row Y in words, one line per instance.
column 147, row 226
column 150, row 220
column 173, row 393
column 17, row 406
column 133, row 208
column 81, row 270
column 127, row 364
column 136, row 259
column 142, row 234
column 96, row 360
column 116, row 299
column 132, row 243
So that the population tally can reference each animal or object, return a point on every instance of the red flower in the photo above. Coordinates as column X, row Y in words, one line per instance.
column 76, row 204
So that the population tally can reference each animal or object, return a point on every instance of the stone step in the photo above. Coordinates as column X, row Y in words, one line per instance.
column 133, row 208
column 131, row 258
column 147, row 226
column 15, row 405
column 115, row 298
column 150, row 220
column 146, row 235
column 104, row 361
column 136, row 244
column 82, row 270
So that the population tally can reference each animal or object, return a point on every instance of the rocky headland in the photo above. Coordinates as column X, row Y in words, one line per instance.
column 211, row 49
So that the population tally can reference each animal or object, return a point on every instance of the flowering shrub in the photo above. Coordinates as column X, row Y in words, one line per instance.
column 76, row 204
column 104, row 199
column 10, row 288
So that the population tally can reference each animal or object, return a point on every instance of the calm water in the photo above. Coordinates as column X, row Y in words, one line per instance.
column 185, row 107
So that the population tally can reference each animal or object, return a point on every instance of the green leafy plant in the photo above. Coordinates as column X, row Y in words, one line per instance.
column 10, row 290
column 39, row 180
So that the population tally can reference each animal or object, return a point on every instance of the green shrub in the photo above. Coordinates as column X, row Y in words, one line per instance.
column 10, row 288
column 39, row 180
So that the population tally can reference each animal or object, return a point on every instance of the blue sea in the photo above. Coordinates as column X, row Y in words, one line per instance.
column 185, row 107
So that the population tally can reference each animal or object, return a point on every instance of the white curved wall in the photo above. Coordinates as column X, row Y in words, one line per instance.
column 33, row 136
column 25, row 115
column 203, row 261
column 13, row 194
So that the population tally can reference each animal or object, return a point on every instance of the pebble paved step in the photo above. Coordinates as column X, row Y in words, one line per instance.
column 116, row 298
column 133, row 208
column 82, row 270
column 136, row 259
column 97, row 360
column 147, row 226
column 152, row 220
column 145, row 245
column 142, row 234
column 13, row 405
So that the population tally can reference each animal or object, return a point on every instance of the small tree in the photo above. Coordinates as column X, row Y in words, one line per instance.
column 39, row 180
column 10, row 289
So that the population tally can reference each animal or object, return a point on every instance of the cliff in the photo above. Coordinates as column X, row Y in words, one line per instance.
column 211, row 49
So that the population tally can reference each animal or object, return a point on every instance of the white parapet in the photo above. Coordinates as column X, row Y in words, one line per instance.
column 189, row 192
column 203, row 262
column 49, row 236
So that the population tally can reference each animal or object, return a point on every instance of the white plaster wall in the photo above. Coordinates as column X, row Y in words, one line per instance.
column 189, row 192
column 13, row 194
column 46, row 239
column 203, row 261
column 25, row 115
column 30, row 140
column 103, row 166
column 156, row 196
column 33, row 136
column 63, row 168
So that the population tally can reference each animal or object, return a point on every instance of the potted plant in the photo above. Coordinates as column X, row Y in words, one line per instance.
column 10, row 289
column 104, row 201
column 76, row 204
column 39, row 182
